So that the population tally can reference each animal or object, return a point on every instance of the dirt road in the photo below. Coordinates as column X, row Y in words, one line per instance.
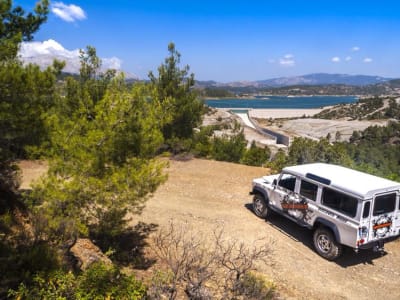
column 210, row 194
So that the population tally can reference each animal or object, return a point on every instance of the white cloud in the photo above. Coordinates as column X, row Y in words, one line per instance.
column 287, row 60
column 43, row 54
column 69, row 13
column 335, row 59
column 348, row 58
column 112, row 63
column 355, row 49
column 367, row 60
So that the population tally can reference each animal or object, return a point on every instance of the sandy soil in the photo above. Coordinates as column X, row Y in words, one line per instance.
column 319, row 128
column 31, row 171
column 283, row 113
column 284, row 121
column 209, row 195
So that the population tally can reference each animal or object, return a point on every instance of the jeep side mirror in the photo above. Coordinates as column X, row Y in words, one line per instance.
column 274, row 182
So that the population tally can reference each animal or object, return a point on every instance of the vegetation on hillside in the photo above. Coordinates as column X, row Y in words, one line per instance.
column 386, row 88
column 368, row 108
column 375, row 150
column 101, row 137
column 213, row 92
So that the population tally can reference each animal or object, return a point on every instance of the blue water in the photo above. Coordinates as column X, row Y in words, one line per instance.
column 282, row 102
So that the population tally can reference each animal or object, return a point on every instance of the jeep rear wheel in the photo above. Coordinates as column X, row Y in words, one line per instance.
column 260, row 206
column 325, row 244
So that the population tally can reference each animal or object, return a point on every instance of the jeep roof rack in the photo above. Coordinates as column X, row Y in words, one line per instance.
column 318, row 178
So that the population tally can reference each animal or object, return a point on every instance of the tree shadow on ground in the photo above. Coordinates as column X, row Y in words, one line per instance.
column 128, row 247
column 304, row 236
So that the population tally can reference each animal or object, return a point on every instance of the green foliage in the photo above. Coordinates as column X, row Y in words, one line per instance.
column 216, row 93
column 93, row 82
column 376, row 150
column 368, row 108
column 26, row 94
column 393, row 111
column 229, row 148
column 174, row 91
column 58, row 285
column 255, row 156
column 255, row 286
column 98, row 282
column 202, row 142
column 16, row 26
column 104, row 161
column 304, row 150
column 20, row 259
column 278, row 161
column 101, row 281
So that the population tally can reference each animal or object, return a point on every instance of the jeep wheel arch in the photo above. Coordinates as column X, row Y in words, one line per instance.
column 320, row 222
column 326, row 244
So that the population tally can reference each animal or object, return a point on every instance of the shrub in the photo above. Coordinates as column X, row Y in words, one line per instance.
column 255, row 156
column 207, row 268
column 257, row 287
column 229, row 148
column 98, row 282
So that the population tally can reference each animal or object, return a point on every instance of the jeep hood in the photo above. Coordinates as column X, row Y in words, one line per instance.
column 267, row 179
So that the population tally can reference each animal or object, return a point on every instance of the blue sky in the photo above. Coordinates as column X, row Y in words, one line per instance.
column 233, row 40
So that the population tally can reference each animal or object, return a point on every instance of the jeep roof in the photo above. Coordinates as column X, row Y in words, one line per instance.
column 360, row 184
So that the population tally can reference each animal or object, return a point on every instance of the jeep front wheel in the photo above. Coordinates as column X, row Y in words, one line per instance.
column 260, row 206
column 325, row 244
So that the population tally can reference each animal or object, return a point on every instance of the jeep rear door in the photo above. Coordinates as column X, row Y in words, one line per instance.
column 384, row 216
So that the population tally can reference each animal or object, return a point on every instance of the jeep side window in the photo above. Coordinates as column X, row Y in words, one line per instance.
column 308, row 190
column 384, row 204
column 288, row 182
column 367, row 206
column 340, row 202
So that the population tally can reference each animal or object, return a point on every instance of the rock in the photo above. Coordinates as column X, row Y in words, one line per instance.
column 87, row 253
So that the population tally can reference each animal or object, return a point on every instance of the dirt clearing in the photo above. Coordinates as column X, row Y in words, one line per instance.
column 209, row 195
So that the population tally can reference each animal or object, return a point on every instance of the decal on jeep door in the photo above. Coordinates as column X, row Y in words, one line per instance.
column 295, row 207
column 381, row 226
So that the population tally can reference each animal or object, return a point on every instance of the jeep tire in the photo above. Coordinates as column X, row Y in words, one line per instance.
column 325, row 244
column 260, row 206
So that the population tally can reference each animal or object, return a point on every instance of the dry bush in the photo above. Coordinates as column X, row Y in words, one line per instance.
column 207, row 266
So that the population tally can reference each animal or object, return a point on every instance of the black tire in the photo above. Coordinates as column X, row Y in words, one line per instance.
column 325, row 244
column 260, row 206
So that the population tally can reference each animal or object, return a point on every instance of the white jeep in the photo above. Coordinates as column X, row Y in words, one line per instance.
column 342, row 206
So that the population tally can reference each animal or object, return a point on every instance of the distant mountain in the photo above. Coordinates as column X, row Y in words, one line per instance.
column 206, row 84
column 310, row 79
column 323, row 79
column 313, row 84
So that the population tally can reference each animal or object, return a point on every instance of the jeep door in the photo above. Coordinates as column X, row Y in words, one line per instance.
column 284, row 188
column 384, row 216
column 309, row 193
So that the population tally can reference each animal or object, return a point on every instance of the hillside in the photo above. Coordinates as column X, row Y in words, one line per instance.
column 313, row 84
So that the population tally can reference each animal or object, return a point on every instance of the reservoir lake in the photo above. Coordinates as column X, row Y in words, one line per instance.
column 265, row 102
